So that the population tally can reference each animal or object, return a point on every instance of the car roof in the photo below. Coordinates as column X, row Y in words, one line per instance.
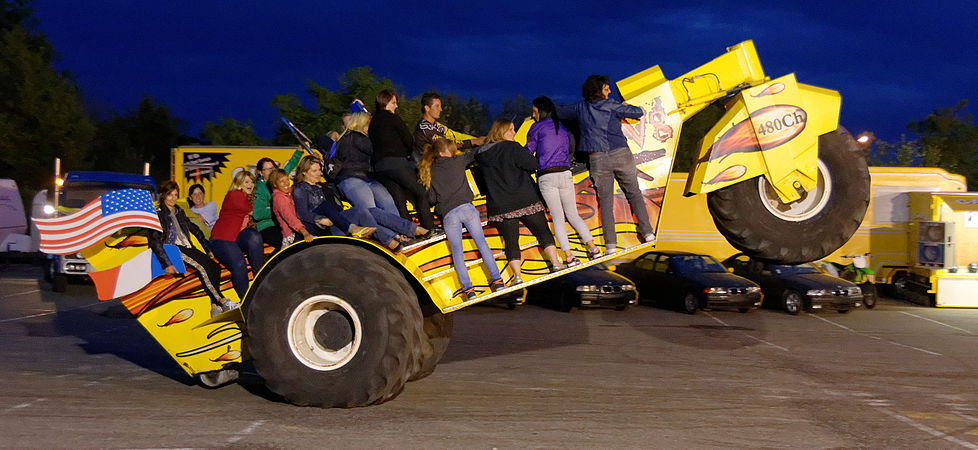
column 673, row 253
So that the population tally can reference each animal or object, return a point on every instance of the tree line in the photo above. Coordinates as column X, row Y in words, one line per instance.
column 42, row 116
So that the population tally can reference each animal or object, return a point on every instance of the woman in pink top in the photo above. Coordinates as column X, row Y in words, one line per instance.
column 284, row 208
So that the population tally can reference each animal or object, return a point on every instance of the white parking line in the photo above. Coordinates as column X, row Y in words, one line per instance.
column 873, row 337
column 937, row 322
column 745, row 334
column 254, row 425
column 20, row 293
column 23, row 405
column 928, row 430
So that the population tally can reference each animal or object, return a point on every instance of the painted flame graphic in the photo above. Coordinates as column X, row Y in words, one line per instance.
column 181, row 316
column 729, row 174
column 770, row 90
column 229, row 355
column 744, row 138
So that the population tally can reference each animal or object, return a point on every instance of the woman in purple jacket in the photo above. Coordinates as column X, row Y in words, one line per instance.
column 550, row 142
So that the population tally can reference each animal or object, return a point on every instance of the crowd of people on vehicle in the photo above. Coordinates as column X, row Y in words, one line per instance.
column 377, row 165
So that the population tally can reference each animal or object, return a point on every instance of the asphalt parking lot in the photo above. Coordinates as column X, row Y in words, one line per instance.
column 83, row 373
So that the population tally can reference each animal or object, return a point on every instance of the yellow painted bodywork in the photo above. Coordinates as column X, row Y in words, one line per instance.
column 176, row 312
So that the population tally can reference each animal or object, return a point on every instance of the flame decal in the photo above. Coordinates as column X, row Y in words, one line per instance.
column 229, row 355
column 729, row 174
column 772, row 89
column 181, row 316
column 766, row 128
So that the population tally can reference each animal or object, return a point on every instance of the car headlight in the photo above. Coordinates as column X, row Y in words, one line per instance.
column 715, row 290
column 819, row 293
column 753, row 289
column 855, row 291
column 588, row 288
column 628, row 287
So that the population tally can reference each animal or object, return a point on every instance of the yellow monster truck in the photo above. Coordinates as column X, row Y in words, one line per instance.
column 344, row 322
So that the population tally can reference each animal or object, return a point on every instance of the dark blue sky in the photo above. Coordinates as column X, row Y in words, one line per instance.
column 893, row 62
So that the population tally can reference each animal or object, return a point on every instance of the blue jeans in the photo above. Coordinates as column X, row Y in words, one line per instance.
column 466, row 215
column 366, row 194
column 232, row 256
column 372, row 197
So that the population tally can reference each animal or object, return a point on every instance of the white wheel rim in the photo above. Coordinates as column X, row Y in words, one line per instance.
column 810, row 204
column 793, row 303
column 302, row 339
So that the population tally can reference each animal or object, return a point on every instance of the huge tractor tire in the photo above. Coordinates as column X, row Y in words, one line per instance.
column 755, row 221
column 437, row 335
column 334, row 326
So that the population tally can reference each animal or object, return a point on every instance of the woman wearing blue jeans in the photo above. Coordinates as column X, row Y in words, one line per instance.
column 354, row 150
column 444, row 173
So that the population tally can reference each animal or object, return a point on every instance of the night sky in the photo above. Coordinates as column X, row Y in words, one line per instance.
column 893, row 62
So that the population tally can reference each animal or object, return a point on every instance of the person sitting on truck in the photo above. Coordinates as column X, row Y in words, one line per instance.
column 356, row 183
column 233, row 236
column 391, row 159
column 443, row 172
column 207, row 211
column 321, row 216
column 511, row 196
column 428, row 128
column 177, row 229
column 283, row 207
column 610, row 158
column 271, row 233
column 550, row 142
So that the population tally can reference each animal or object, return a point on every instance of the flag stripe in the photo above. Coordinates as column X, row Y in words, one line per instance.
column 97, row 220
column 102, row 221
column 75, row 245
column 59, row 222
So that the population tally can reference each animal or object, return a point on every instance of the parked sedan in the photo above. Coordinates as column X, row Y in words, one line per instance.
column 593, row 287
column 690, row 281
column 797, row 288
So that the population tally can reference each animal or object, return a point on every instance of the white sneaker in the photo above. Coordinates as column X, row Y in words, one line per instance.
column 229, row 304
column 611, row 251
column 649, row 237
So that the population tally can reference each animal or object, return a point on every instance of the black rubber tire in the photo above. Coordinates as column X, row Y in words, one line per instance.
column 59, row 282
column 869, row 295
column 793, row 302
column 740, row 214
column 690, row 303
column 378, row 305
column 437, row 335
column 898, row 285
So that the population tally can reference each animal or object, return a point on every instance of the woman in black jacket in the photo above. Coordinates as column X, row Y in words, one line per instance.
column 392, row 144
column 177, row 229
column 512, row 196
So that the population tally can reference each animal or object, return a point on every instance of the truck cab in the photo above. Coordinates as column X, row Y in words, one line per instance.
column 77, row 190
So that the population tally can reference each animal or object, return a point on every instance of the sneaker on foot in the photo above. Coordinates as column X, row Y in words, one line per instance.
column 611, row 251
column 515, row 281
column 470, row 293
column 649, row 237
column 571, row 261
column 594, row 253
column 497, row 285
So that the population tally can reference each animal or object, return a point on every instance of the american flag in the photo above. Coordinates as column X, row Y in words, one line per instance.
column 105, row 215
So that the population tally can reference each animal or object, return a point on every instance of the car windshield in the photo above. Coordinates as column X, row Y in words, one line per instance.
column 696, row 263
column 792, row 270
column 77, row 194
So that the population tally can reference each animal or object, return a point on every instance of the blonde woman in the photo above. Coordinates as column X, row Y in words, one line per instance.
column 511, row 196
column 355, row 180
column 232, row 238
